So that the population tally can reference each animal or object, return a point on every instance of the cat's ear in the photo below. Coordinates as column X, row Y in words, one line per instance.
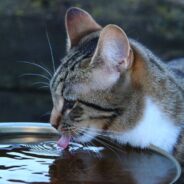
column 113, row 48
column 78, row 24
column 113, row 55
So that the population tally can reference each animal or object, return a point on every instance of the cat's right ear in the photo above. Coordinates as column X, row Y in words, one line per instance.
column 78, row 24
column 112, row 57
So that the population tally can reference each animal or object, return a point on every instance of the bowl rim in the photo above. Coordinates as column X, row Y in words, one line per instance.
column 7, row 128
column 170, row 157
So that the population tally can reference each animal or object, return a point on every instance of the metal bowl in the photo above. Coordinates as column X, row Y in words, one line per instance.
column 26, row 132
column 114, row 164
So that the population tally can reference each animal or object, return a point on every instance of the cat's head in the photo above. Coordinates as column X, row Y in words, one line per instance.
column 85, row 88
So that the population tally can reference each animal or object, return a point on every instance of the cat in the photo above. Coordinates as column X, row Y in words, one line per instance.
column 111, row 85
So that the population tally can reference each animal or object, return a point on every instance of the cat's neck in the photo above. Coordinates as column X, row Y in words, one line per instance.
column 158, row 82
column 153, row 128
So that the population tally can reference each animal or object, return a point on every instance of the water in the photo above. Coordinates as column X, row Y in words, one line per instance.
column 44, row 162
column 29, row 163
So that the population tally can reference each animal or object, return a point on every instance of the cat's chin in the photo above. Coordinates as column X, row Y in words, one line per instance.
column 87, row 137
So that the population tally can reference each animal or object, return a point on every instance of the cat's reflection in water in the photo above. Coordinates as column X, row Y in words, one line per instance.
column 126, row 167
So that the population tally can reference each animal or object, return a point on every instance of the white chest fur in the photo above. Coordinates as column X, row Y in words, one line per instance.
column 154, row 128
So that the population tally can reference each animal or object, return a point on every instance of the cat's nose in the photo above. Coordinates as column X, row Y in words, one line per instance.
column 55, row 118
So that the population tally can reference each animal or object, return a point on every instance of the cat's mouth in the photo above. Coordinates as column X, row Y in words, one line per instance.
column 64, row 141
column 66, row 137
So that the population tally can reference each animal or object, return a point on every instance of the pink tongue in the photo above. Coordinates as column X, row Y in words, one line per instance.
column 64, row 141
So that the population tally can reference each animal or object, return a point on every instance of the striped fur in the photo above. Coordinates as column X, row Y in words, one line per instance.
column 107, row 86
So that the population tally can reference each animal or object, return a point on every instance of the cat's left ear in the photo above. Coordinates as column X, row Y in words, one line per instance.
column 79, row 23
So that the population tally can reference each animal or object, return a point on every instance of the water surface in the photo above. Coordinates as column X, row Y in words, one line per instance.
column 44, row 162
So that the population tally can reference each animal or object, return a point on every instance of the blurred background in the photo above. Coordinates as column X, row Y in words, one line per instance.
column 157, row 24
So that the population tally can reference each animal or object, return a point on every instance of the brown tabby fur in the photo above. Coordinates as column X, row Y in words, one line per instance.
column 81, row 83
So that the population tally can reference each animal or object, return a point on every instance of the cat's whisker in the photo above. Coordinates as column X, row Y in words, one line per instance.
column 99, row 130
column 45, row 114
column 36, row 83
column 106, row 145
column 39, row 66
column 84, row 129
column 74, row 128
column 111, row 141
column 43, row 87
column 92, row 144
column 87, row 145
column 51, row 52
column 104, row 138
column 36, row 75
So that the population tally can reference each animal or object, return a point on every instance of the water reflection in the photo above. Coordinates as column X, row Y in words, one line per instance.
column 46, row 163
column 129, row 167
column 21, row 167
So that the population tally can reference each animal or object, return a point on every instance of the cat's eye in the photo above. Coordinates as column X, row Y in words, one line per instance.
column 68, row 104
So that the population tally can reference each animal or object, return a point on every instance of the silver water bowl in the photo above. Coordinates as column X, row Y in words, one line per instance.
column 28, row 132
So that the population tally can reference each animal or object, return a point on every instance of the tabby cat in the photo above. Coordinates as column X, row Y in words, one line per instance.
column 111, row 85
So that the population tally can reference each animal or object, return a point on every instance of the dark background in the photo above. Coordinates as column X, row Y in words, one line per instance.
column 158, row 24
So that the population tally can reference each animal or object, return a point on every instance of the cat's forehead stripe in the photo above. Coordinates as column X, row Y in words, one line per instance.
column 84, row 50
